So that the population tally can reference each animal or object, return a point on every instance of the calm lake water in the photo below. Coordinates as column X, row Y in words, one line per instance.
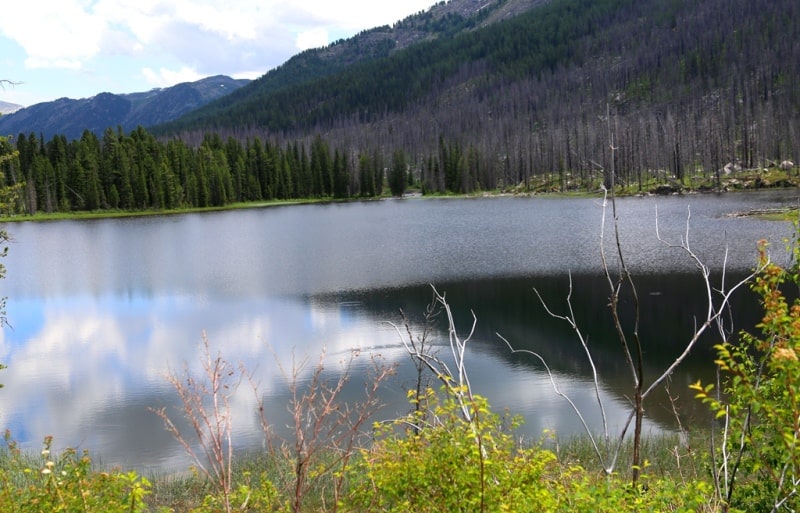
column 102, row 310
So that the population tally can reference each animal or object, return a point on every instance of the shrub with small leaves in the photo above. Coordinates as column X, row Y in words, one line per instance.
column 66, row 483
column 757, row 464
column 434, row 460
column 248, row 496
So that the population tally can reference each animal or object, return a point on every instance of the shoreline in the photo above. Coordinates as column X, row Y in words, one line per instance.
column 780, row 213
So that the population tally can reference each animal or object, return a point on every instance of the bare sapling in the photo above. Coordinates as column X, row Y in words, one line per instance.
column 455, row 383
column 206, row 405
column 717, row 306
column 326, row 431
column 620, row 281
column 421, row 344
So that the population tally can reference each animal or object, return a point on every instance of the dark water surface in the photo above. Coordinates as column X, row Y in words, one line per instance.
column 102, row 309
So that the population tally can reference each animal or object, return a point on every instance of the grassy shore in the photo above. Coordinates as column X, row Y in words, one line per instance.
column 671, row 458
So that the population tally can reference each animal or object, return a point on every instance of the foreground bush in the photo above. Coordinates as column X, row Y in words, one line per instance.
column 66, row 483
column 757, row 461
column 434, row 460
column 424, row 462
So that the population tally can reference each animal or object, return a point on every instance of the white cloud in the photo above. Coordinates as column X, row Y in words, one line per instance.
column 313, row 38
column 58, row 34
column 166, row 77
column 122, row 43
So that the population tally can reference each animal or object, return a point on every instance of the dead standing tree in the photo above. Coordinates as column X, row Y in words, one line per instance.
column 620, row 281
column 326, row 431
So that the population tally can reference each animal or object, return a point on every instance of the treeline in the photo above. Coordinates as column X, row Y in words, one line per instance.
column 137, row 172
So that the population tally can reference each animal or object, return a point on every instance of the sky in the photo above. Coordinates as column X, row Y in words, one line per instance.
column 53, row 49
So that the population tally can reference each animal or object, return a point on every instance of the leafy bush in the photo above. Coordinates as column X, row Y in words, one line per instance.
column 757, row 465
column 66, row 483
column 434, row 460
column 248, row 496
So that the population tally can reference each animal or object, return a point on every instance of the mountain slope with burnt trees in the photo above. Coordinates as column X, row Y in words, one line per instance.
column 515, row 96
column 691, row 85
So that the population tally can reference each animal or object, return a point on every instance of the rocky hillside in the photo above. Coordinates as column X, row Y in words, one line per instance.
column 71, row 117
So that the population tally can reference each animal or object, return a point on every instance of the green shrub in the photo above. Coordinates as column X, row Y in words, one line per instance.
column 261, row 496
column 584, row 491
column 757, row 464
column 66, row 483
column 434, row 460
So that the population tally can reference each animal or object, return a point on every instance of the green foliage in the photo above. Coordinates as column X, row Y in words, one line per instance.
column 398, row 177
column 759, row 404
column 66, row 483
column 450, row 464
column 247, row 496
column 434, row 460
column 584, row 491
column 10, row 194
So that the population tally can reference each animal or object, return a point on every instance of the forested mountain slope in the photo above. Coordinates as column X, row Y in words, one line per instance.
column 691, row 84
column 441, row 21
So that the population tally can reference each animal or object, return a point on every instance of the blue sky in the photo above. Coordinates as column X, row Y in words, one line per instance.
column 78, row 48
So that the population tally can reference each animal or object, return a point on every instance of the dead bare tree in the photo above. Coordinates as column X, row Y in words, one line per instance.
column 456, row 383
column 206, row 406
column 325, row 430
column 717, row 305
column 421, row 344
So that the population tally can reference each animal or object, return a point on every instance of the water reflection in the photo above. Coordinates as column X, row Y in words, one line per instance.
column 102, row 310
column 90, row 369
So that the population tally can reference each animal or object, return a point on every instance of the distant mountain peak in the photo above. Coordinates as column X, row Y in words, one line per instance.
column 9, row 108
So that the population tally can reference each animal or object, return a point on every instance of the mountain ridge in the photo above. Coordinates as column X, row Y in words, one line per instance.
column 691, row 85
column 442, row 20
column 9, row 108
column 70, row 117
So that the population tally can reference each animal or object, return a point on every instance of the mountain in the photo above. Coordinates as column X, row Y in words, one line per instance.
column 510, row 95
column 8, row 108
column 517, row 88
column 70, row 117
column 442, row 21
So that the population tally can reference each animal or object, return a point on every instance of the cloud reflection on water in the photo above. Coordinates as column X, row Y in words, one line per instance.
column 89, row 371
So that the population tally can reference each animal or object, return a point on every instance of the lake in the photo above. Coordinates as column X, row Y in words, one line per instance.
column 102, row 310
